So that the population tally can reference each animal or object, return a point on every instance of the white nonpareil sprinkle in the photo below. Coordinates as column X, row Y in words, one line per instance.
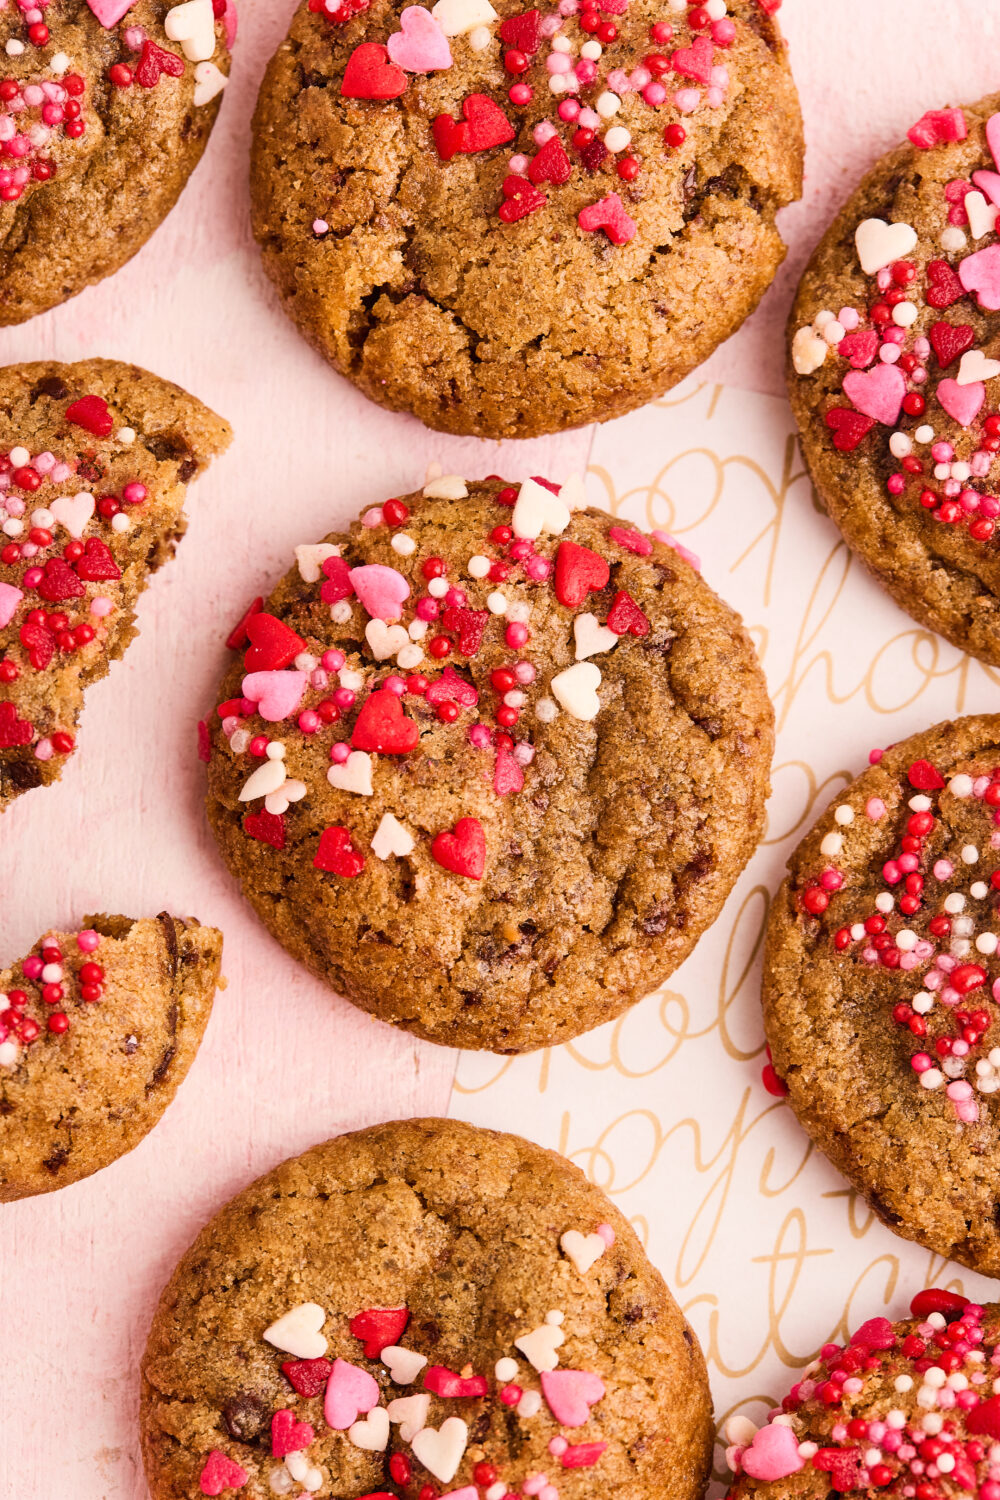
column 608, row 104
column 478, row 566
column 496, row 603
column 961, row 785
column 832, row 844
column 844, row 814
column 970, row 854
column 403, row 544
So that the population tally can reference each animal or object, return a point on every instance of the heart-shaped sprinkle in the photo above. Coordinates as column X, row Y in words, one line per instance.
column 631, row 540
column 625, row 617
column 877, row 393
column 937, row 127
column 299, row 1331
column 540, row 1345
column 963, row 403
column 773, row 1454
column 879, row 244
column 536, row 510
column 944, row 288
column 570, row 1394
column 950, row 341
column 591, row 637
column 155, row 63
column 551, row 164
column 272, row 644
column 440, row 1449
column 420, row 46
column 338, row 856
column 266, row 828
column 276, row 694
column 988, row 183
column 451, row 686
column 411, row 1414
column 575, row 690
column 980, row 273
column 350, row 1393
column 371, row 75
column 859, row 348
column 372, row 1434
column 483, row 126
column 445, row 1382
column 352, row 775
column 390, row 837
column 382, row 590
column 192, row 23
column 976, row 367
column 385, row 640
column 208, row 82
column 404, row 1365
column 450, row 136
column 14, row 731
column 608, row 214
column 458, row 17
column 60, row 582
column 382, row 726
column 468, row 624
column 582, row 1455
column 237, row 637
column 109, row 12
column 584, row 1250
column 10, row 598
column 269, row 777
column 508, row 777
column 924, row 777
column 848, row 427
column 695, row 61
column 289, row 1435
column 463, row 851
column 523, row 32
column 337, row 583
column 307, row 1377
column 91, row 412
column 73, row 512
column 984, row 1420
column 579, row 571
column 221, row 1473
column 520, row 198
column 97, row 564
column 311, row 558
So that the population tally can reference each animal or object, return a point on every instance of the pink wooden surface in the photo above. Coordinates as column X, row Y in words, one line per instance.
column 284, row 1064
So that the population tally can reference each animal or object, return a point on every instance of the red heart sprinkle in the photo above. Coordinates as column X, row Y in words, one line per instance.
column 382, row 726
column 337, row 584
column 875, row 1334
column 288, row 1435
column 307, row 1376
column 578, row 573
column 204, row 742
column 272, row 644
column 937, row 127
column 695, row 61
column 14, row 731
column 91, row 413
column 485, row 125
column 551, row 164
column 221, row 1473
column 943, row 286
column 266, row 828
column 625, row 616
column 632, row 541
column 155, row 61
column 97, row 564
column 463, row 850
column 523, row 32
column 936, row 1299
column 370, row 75
column 848, row 427
column 451, row 685
column 450, row 136
column 924, row 777
column 770, row 7
column 950, row 341
column 608, row 214
column 520, row 199
column 444, row 1382
column 859, row 349
column 582, row 1455
column 378, row 1327
column 337, row 854
column 468, row 624
column 236, row 639
column 984, row 1420
column 39, row 642
column 841, row 1464
column 60, row 582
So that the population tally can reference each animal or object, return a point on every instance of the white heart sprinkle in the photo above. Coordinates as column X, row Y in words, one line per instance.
column 446, row 486
column 266, row 779
column 592, row 637
column 73, row 512
column 982, row 215
column 575, row 690
column 572, row 492
column 440, row 1449
column 193, row 25
column 975, row 367
column 404, row 1365
column 391, row 837
column 372, row 1433
column 299, row 1331
column 290, row 791
column 456, row 17
column 538, row 510
column 540, row 1345
column 208, row 81
column 385, row 640
column 411, row 1414
column 352, row 775
column 582, row 1249
column 311, row 559
column 879, row 244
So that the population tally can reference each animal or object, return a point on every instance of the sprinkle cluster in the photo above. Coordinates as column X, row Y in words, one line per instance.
column 911, row 1409
column 897, row 366
column 308, row 687
column 568, row 54
column 354, row 1404
column 49, row 984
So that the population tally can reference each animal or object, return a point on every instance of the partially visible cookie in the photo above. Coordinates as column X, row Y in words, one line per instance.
column 105, row 109
column 894, row 373
column 97, row 1031
column 516, row 219
column 882, row 983
column 487, row 765
column 95, row 459
column 903, row 1409
column 423, row 1308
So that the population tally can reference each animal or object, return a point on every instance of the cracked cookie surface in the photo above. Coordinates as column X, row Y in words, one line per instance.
column 401, row 267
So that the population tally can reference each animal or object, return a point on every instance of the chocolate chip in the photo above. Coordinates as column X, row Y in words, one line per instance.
column 49, row 385
column 246, row 1416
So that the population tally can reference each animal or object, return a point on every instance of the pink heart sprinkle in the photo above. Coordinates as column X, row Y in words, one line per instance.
column 980, row 273
column 570, row 1394
column 110, row 12
column 276, row 694
column 608, row 214
column 988, row 184
column 381, row 590
column 962, row 402
column 350, row 1392
column 773, row 1454
column 10, row 598
column 420, row 46
column 877, row 393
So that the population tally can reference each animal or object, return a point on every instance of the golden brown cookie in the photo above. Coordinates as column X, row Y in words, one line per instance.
column 881, row 983
column 512, row 221
column 488, row 766
column 95, row 459
column 105, row 109
column 97, row 1031
column 903, row 1409
column 894, row 377
column 423, row 1308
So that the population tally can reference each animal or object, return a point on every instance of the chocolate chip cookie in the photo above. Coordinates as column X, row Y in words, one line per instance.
column 489, row 764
